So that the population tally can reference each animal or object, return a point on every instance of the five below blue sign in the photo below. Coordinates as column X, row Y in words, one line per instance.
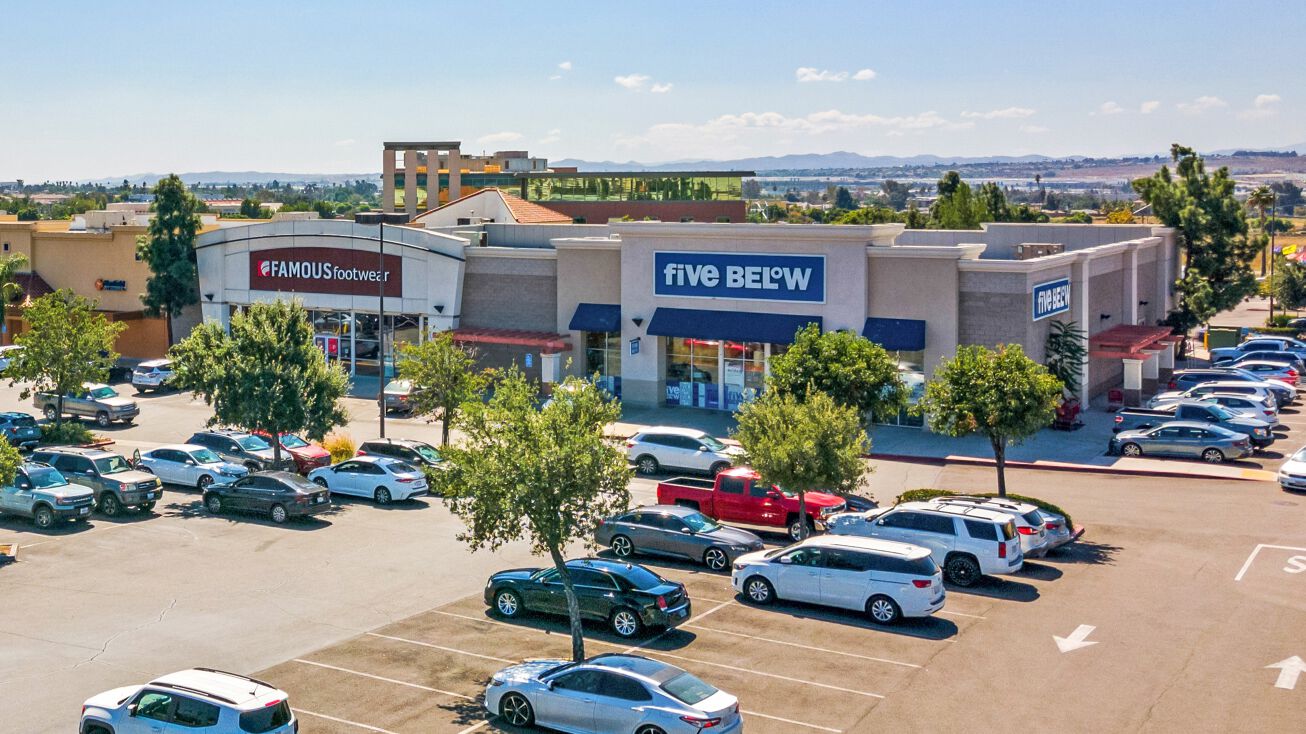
column 1051, row 298
column 755, row 276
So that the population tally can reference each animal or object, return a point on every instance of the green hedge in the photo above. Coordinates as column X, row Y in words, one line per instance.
column 1275, row 331
column 924, row 494
column 70, row 432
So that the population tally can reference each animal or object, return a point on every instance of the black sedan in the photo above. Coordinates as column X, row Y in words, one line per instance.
column 629, row 598
column 280, row 495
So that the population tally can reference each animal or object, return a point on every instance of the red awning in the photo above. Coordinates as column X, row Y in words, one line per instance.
column 1128, row 342
column 542, row 340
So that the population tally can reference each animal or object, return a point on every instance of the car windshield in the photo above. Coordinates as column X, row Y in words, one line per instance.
column 1220, row 412
column 1033, row 518
column 1300, row 455
column 700, row 523
column 252, row 443
column 23, row 420
column 204, row 456
column 103, row 393
column 685, row 687
column 398, row 387
column 291, row 441
column 643, row 579
column 712, row 443
column 401, row 467
column 427, row 452
column 785, row 492
column 112, row 465
column 43, row 478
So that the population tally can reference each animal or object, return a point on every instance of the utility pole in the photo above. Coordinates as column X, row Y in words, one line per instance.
column 380, row 219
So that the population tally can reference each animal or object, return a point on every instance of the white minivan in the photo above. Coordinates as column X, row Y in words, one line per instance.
column 887, row 580
column 653, row 449
column 968, row 542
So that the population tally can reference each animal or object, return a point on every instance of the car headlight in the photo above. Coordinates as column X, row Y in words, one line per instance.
column 738, row 547
column 496, row 681
column 1260, row 431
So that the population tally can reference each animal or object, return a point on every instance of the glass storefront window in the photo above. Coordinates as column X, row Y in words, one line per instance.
column 911, row 369
column 603, row 358
column 744, row 371
column 692, row 372
column 632, row 188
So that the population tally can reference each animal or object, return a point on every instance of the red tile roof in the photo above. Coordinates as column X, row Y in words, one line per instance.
column 33, row 285
column 523, row 212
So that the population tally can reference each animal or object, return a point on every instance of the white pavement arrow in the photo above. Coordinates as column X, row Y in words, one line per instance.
column 1289, row 669
column 1076, row 639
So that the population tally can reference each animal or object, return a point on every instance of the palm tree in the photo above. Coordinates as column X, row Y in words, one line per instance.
column 10, row 267
column 1262, row 198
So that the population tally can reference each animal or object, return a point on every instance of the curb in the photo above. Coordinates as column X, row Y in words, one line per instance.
column 1078, row 468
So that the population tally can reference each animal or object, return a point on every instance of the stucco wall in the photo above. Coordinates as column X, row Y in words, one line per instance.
column 918, row 288
column 505, row 292
column 585, row 275
column 1001, row 238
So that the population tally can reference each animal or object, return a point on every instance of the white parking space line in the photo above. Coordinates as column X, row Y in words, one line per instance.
column 1255, row 551
column 445, row 649
column 713, row 601
column 804, row 647
column 476, row 727
column 664, row 632
column 470, row 618
column 960, row 614
column 790, row 721
column 82, row 534
column 346, row 722
column 386, row 680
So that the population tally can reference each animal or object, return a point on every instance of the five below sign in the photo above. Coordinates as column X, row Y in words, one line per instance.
column 752, row 276
column 1051, row 298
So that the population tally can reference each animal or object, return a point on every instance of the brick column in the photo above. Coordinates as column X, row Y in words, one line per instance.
column 388, row 181
column 432, row 179
column 455, row 174
column 1150, row 373
column 410, row 182
column 1165, row 362
column 1129, row 271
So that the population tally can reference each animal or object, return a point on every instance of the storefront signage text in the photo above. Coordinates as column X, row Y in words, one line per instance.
column 1051, row 298
column 104, row 284
column 764, row 277
column 325, row 270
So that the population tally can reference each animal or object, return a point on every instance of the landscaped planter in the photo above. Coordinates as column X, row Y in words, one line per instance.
column 8, row 553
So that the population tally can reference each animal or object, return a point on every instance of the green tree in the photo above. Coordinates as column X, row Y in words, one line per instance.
column 1078, row 218
column 267, row 374
column 914, row 218
column 10, row 267
column 1212, row 226
column 67, row 343
column 1288, row 285
column 10, row 461
column 895, row 194
column 994, row 201
column 956, row 207
column 868, row 215
column 843, row 199
column 1002, row 395
column 1065, row 352
column 851, row 369
column 444, row 376
column 168, row 248
column 803, row 445
column 1261, row 199
column 250, row 209
column 548, row 474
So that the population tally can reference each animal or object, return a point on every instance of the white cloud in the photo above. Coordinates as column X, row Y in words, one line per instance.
column 1201, row 104
column 565, row 66
column 503, row 137
column 553, row 136
column 813, row 74
column 632, row 81
column 1109, row 108
column 863, row 75
column 344, row 143
column 1006, row 113
column 1265, row 105
column 554, row 77
column 1149, row 107
column 661, row 88
column 1033, row 129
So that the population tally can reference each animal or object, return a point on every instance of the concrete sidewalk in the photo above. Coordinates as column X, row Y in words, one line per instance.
column 1080, row 450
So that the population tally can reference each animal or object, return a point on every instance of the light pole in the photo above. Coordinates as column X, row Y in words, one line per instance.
column 380, row 219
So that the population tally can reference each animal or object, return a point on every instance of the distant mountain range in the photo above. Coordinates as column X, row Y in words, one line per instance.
column 241, row 177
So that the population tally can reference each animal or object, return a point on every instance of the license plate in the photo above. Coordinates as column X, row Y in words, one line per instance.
column 681, row 613
column 320, row 500
column 151, row 495
column 84, row 511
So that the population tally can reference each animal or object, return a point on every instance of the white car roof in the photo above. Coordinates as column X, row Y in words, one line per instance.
column 977, row 513
column 237, row 689
column 673, row 431
column 187, row 447
column 875, row 545
column 154, row 362
column 996, row 503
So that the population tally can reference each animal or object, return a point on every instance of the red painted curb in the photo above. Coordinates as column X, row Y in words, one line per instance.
column 1077, row 468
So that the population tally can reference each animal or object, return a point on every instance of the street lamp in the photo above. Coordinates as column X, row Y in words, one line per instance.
column 380, row 219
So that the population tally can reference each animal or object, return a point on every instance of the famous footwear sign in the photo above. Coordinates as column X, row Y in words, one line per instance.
column 756, row 276
column 325, row 270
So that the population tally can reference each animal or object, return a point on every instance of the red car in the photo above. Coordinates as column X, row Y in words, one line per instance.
column 308, row 456
column 739, row 496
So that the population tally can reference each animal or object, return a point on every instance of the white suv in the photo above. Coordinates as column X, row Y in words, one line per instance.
column 967, row 541
column 152, row 375
column 681, row 448
column 199, row 698
column 1030, row 524
column 887, row 580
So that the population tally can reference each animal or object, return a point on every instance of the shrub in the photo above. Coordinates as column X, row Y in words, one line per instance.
column 340, row 445
column 923, row 494
column 1278, row 331
column 68, row 433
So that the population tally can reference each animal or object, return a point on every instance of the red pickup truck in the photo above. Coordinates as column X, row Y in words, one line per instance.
column 739, row 496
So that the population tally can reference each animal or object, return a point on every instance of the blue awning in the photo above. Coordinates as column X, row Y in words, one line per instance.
column 596, row 317
column 738, row 326
column 896, row 335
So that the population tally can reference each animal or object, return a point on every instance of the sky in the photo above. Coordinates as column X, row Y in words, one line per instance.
column 107, row 89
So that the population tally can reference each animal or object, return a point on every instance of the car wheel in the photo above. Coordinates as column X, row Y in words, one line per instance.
column 1213, row 456
column 646, row 465
column 516, row 710
column 278, row 514
column 251, row 466
column 1131, row 449
column 625, row 623
column 146, row 506
column 319, row 481
column 759, row 591
column 719, row 467
column 962, row 571
column 110, row 505
column 622, row 547
column 883, row 610
column 507, row 603
column 650, row 730
column 214, row 504
column 716, row 559
column 102, row 419
column 382, row 496
column 796, row 529
column 44, row 518
column 50, row 413
column 145, row 469
column 204, row 482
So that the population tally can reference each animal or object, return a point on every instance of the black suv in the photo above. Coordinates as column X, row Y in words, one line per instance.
column 416, row 453
column 243, row 448
column 628, row 597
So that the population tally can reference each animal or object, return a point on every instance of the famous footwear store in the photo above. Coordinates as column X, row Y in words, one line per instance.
column 337, row 271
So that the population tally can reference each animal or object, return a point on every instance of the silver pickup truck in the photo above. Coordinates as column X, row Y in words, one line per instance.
column 99, row 402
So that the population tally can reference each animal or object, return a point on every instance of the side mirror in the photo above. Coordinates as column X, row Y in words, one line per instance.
column 687, row 531
column 786, row 559
column 549, row 684
column 702, row 448
column 881, row 521
column 24, row 484
column 774, row 494
column 90, row 472
column 131, row 709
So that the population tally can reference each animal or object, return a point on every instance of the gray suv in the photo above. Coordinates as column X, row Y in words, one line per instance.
column 41, row 493
column 244, row 448
column 671, row 530
column 113, row 480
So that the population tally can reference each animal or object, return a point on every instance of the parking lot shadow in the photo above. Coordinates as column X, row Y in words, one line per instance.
column 59, row 529
column 927, row 628
column 1040, row 571
column 998, row 588
column 1085, row 552
column 670, row 640
column 471, row 713
column 398, row 505
column 195, row 509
